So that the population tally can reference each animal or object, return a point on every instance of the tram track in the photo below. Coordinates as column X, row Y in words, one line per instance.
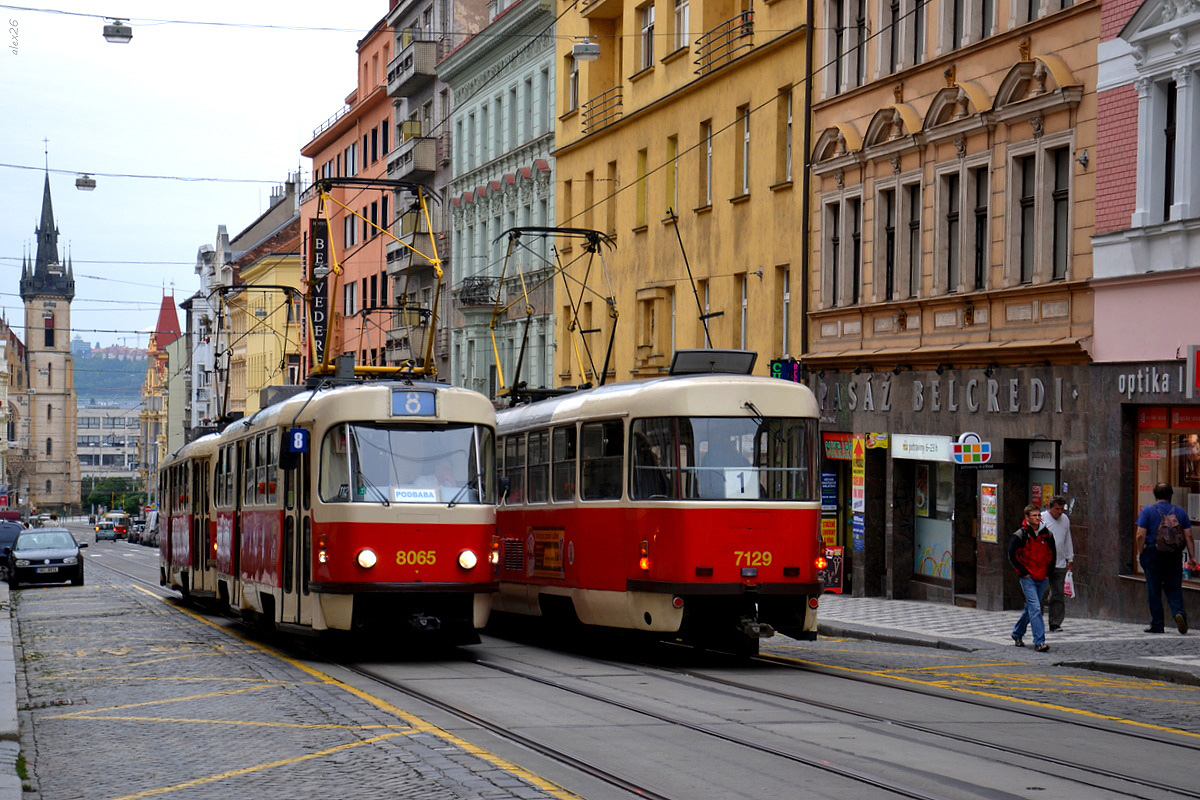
column 1039, row 763
column 1021, row 753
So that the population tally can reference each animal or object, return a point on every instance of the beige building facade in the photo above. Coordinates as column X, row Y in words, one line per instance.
column 683, row 144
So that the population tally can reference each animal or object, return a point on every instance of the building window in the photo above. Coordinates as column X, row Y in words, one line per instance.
column 833, row 239
column 572, row 83
column 951, row 232
column 1168, row 194
column 917, row 32
column 646, row 18
column 887, row 205
column 892, row 55
column 742, row 161
column 672, row 173
column 706, row 162
column 854, row 217
column 745, row 309
column 682, row 20
column 1040, row 248
column 837, row 32
column 860, row 42
column 640, row 211
column 783, row 154
column 49, row 447
column 979, row 238
column 49, row 486
column 1026, row 169
column 785, row 322
column 912, row 212
column 1060, row 198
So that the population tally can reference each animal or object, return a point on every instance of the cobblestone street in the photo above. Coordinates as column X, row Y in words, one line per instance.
column 121, row 694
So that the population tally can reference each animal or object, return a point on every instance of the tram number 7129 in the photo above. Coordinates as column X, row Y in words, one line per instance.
column 752, row 558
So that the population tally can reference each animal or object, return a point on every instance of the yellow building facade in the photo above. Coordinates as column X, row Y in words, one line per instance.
column 683, row 142
column 264, row 323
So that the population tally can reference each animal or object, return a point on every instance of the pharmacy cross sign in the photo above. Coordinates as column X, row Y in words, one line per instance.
column 970, row 449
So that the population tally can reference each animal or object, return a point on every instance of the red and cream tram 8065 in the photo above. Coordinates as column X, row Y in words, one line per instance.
column 360, row 506
column 684, row 506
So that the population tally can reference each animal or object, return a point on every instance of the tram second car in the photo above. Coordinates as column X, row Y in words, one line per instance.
column 686, row 507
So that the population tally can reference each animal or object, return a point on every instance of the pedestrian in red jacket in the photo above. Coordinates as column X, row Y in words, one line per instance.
column 1032, row 554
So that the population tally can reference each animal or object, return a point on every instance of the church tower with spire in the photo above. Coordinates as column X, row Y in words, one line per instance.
column 50, row 479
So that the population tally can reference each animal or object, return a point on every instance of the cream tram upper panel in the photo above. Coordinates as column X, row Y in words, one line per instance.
column 684, row 396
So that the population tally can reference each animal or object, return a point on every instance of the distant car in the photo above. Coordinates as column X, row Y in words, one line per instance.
column 106, row 530
column 9, row 531
column 45, row 555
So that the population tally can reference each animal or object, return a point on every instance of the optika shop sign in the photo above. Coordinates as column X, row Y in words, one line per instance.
column 951, row 394
column 1149, row 380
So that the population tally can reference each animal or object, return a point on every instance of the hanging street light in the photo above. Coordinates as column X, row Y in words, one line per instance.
column 117, row 32
column 85, row 183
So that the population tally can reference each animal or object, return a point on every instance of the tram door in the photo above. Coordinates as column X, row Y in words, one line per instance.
column 296, row 600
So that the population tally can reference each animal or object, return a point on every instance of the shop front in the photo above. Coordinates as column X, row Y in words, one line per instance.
column 965, row 451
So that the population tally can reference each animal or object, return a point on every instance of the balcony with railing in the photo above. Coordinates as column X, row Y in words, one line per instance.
column 415, row 157
column 414, row 66
column 602, row 110
column 724, row 43
column 478, row 290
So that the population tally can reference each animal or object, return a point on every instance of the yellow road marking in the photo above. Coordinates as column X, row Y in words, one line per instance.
column 91, row 715
column 167, row 700
column 993, row 695
column 418, row 725
column 233, row 773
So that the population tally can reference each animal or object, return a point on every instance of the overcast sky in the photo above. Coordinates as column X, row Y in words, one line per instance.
column 234, row 102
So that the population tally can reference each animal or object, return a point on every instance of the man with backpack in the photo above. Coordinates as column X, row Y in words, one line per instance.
column 1163, row 531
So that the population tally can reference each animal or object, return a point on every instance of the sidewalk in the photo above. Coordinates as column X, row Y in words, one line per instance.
column 10, row 730
column 1118, row 647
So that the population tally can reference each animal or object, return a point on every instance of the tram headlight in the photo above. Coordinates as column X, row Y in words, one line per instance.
column 467, row 559
column 366, row 558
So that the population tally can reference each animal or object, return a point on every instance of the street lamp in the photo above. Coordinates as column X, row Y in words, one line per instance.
column 117, row 32
column 85, row 183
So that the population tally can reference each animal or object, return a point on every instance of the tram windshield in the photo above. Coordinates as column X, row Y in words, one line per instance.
column 723, row 458
column 371, row 463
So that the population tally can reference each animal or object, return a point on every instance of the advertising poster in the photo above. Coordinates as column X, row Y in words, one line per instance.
column 829, row 492
column 832, row 575
column 859, row 533
column 922, row 490
column 988, row 506
column 858, row 476
column 829, row 531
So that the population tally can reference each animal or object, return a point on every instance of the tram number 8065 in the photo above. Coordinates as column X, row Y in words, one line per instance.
column 422, row 558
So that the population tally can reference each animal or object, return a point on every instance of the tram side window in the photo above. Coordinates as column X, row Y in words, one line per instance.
column 334, row 478
column 539, row 466
column 246, row 449
column 655, row 456
column 514, row 467
column 785, row 454
column 563, row 452
column 600, row 453
column 272, row 468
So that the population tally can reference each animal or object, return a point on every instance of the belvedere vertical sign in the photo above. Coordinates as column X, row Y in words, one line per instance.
column 318, row 311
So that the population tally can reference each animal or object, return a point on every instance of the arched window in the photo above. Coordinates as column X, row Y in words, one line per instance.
column 49, row 413
column 49, row 485
column 49, row 446
column 48, row 318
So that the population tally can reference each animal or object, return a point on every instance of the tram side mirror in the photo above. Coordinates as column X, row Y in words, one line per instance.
column 295, row 443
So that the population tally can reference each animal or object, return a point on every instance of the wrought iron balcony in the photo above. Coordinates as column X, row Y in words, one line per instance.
column 602, row 110
column 478, row 290
column 724, row 43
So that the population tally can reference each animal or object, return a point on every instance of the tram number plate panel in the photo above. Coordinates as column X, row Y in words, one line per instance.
column 413, row 403
column 544, row 549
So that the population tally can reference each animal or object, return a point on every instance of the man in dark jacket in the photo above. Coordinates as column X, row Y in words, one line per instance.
column 1031, row 553
column 1163, row 571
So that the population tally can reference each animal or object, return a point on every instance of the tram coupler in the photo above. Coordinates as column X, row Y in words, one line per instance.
column 424, row 623
column 755, row 630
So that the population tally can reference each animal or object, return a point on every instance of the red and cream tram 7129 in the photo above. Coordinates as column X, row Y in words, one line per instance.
column 685, row 506
column 363, row 506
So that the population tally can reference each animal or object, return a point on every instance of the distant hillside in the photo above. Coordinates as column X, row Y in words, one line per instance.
column 108, row 380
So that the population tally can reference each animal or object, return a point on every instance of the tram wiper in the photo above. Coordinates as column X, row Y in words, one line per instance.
column 754, row 412
column 472, row 484
column 362, row 477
